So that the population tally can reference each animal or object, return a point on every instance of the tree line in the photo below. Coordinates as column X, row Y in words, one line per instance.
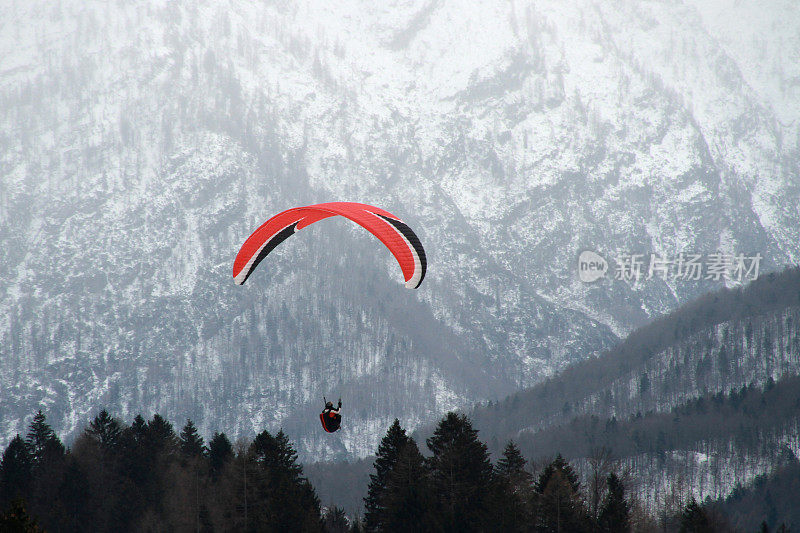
column 457, row 488
column 145, row 476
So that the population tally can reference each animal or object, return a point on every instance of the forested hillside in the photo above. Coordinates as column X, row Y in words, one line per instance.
column 703, row 447
column 726, row 339
column 771, row 500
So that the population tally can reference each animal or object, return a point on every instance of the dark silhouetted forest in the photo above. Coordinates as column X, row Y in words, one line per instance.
column 147, row 477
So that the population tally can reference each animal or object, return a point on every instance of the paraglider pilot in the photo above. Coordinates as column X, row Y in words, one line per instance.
column 329, row 407
column 330, row 417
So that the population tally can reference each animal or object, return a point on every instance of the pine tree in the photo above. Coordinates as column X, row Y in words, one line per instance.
column 192, row 451
column 511, row 467
column 105, row 430
column 283, row 498
column 557, row 465
column 160, row 436
column 220, row 451
column 95, row 465
column 407, row 499
column 48, row 463
column 133, row 469
column 138, row 429
column 694, row 519
column 615, row 511
column 512, row 491
column 460, row 471
column 388, row 450
column 132, row 443
column 559, row 504
column 148, row 451
column 43, row 444
column 191, row 443
column 287, row 456
column 276, row 454
column 16, row 471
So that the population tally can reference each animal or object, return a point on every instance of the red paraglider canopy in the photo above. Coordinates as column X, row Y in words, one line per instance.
column 390, row 230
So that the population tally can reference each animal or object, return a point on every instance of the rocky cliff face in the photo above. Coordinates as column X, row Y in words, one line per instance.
column 140, row 144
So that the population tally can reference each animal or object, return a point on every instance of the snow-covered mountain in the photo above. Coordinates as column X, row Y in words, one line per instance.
column 140, row 143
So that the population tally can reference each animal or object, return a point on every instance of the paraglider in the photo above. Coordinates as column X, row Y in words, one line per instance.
column 401, row 241
column 330, row 417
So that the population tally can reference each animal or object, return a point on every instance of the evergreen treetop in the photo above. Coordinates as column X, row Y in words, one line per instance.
column 388, row 451
column 105, row 430
column 42, row 442
column 615, row 511
column 460, row 471
column 191, row 443
column 560, row 465
column 511, row 467
column 220, row 451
